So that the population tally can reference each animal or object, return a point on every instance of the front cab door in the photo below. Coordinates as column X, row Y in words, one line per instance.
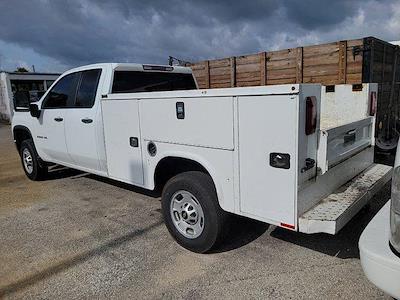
column 83, row 125
column 50, row 127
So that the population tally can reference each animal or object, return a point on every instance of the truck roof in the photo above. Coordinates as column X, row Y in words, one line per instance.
column 135, row 67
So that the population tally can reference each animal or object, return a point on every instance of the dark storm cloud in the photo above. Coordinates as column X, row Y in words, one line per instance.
column 80, row 32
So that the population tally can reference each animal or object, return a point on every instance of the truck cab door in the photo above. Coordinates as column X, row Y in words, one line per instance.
column 83, row 122
column 50, row 127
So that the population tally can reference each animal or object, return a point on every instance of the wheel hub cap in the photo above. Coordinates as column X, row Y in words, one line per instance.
column 27, row 160
column 187, row 214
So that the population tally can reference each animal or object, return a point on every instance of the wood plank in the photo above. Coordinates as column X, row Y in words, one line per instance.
column 220, row 71
column 225, row 77
column 355, row 78
column 248, row 68
column 281, row 81
column 281, row 64
column 282, row 54
column 247, row 76
column 299, row 65
column 217, row 63
column 323, row 59
column 321, row 70
column 331, row 48
column 233, row 71
column 207, row 77
column 247, row 59
column 263, row 68
column 220, row 85
column 323, row 79
column 342, row 61
column 278, row 74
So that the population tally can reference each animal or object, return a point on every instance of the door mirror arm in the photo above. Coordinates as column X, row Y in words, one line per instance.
column 34, row 110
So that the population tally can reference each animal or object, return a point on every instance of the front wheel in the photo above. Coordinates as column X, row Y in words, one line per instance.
column 30, row 161
column 191, row 211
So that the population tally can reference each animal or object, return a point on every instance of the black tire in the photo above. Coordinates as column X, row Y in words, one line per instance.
column 39, row 170
column 201, row 186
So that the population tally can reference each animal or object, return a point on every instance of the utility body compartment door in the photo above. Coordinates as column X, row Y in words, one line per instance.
column 267, row 133
column 122, row 140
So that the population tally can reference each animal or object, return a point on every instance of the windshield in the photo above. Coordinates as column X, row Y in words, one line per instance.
column 136, row 81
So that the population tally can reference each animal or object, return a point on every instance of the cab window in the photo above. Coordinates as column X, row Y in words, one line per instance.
column 86, row 94
column 63, row 93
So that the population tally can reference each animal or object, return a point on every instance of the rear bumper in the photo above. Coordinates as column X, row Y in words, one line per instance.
column 380, row 264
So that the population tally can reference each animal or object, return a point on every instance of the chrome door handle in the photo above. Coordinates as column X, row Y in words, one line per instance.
column 87, row 120
column 58, row 119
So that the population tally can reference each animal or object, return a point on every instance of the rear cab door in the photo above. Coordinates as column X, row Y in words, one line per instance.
column 83, row 125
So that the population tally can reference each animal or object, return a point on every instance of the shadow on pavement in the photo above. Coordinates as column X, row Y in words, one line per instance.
column 59, row 172
column 345, row 243
column 77, row 259
column 242, row 231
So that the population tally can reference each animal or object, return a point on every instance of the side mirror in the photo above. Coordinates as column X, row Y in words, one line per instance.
column 34, row 110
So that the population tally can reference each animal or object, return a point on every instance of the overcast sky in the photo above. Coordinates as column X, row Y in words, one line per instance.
column 57, row 35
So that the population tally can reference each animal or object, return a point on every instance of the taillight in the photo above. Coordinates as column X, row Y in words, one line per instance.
column 372, row 104
column 311, row 115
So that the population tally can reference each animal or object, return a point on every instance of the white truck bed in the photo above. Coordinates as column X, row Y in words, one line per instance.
column 234, row 133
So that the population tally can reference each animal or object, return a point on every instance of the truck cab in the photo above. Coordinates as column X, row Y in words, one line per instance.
column 69, row 130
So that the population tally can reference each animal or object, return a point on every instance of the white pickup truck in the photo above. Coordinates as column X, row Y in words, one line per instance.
column 298, row 156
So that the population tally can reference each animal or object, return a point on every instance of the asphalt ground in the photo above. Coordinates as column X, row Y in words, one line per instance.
column 77, row 235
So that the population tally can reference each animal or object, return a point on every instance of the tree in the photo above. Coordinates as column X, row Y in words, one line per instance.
column 21, row 70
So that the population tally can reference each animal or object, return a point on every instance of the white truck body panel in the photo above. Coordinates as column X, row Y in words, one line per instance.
column 121, row 121
column 264, row 191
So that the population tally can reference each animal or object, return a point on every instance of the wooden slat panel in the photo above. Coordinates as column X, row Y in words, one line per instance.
column 279, row 74
column 299, row 65
column 342, row 61
column 331, row 48
column 331, row 63
column 263, row 68
column 247, row 59
column 207, row 77
column 281, row 81
column 220, row 71
column 233, row 71
column 247, row 68
column 282, row 55
column 217, row 63
column 321, row 70
column 248, row 76
column 354, row 78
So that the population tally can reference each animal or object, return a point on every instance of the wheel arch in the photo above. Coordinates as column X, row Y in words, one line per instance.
column 21, row 133
column 186, row 162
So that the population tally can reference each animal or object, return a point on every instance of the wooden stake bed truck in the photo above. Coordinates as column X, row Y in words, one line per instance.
column 296, row 156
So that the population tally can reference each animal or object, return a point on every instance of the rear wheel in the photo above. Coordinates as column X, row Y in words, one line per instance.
column 191, row 211
column 31, row 162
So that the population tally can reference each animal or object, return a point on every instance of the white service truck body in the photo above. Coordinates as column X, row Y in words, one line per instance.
column 278, row 154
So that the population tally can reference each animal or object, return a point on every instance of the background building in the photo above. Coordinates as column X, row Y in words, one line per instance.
column 18, row 89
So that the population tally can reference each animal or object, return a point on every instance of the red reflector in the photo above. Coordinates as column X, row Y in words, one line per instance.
column 287, row 225
column 372, row 104
column 311, row 115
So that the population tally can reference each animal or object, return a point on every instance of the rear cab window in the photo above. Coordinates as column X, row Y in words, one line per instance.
column 139, row 81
